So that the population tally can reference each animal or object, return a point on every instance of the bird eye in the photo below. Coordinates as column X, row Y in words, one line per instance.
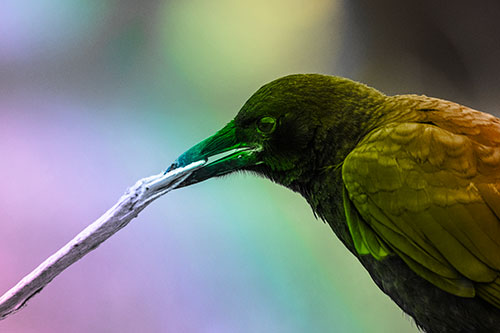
column 266, row 125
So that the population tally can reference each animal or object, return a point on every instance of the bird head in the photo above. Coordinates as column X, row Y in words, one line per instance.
column 280, row 132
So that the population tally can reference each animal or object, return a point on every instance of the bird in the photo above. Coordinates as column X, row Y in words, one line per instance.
column 410, row 184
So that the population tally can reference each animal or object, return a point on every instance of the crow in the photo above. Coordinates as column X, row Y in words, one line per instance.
column 410, row 184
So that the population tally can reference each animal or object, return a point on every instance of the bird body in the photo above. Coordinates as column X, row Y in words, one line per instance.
column 410, row 184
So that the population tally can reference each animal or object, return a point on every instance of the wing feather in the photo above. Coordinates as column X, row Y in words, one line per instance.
column 490, row 292
column 431, row 195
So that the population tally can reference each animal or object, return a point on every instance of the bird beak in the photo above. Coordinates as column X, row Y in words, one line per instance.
column 222, row 153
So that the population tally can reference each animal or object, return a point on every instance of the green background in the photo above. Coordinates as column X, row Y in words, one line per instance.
column 97, row 94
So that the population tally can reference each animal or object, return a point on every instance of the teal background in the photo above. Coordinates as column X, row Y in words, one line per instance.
column 97, row 94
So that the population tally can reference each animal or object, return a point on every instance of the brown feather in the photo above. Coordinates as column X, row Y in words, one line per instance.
column 431, row 191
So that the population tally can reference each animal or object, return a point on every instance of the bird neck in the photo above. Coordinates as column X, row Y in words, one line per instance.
column 352, row 115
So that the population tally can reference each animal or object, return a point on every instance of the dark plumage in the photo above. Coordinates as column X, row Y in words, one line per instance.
column 410, row 185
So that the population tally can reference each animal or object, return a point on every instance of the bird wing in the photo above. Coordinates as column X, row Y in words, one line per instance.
column 430, row 193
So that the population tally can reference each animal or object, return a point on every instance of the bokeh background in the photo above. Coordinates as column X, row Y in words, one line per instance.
column 97, row 94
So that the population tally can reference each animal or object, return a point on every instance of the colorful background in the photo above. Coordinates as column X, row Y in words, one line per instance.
column 97, row 94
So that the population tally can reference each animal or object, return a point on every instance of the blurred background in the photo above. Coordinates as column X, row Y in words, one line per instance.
column 97, row 94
